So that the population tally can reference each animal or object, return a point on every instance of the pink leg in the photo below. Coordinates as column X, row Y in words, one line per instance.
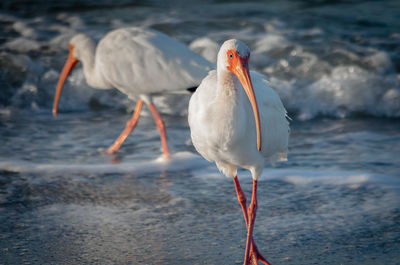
column 254, row 254
column 161, row 129
column 130, row 125
column 241, row 198
column 252, row 216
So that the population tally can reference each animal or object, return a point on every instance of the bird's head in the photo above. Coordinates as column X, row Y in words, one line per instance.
column 77, row 46
column 234, row 55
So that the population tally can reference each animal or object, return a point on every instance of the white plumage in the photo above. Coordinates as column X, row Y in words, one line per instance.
column 138, row 62
column 144, row 61
column 222, row 125
column 223, row 116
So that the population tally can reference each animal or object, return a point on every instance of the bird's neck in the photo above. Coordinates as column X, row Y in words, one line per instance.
column 227, row 84
column 91, row 70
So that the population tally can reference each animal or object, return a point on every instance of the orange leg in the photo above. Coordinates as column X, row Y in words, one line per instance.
column 161, row 129
column 241, row 198
column 253, row 251
column 130, row 125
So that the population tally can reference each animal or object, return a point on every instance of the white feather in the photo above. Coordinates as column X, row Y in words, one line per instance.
column 139, row 62
column 222, row 123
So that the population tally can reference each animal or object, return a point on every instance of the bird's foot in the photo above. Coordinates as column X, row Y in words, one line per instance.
column 166, row 155
column 112, row 150
column 255, row 256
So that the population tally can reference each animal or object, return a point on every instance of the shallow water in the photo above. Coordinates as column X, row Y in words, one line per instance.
column 335, row 201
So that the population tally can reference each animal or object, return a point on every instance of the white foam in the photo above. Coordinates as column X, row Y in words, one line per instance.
column 172, row 104
column 177, row 162
column 203, row 169
column 75, row 22
column 351, row 179
column 269, row 42
column 25, row 30
column 336, row 80
column 206, row 47
column 345, row 90
column 22, row 45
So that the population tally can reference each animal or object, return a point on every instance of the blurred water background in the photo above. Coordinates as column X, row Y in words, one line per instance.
column 336, row 66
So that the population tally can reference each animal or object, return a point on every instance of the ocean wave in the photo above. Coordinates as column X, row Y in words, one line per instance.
column 315, row 71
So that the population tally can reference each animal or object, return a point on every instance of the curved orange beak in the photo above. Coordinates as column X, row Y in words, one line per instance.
column 69, row 65
column 241, row 70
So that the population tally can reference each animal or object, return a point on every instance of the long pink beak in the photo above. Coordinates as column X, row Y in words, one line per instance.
column 69, row 65
column 243, row 74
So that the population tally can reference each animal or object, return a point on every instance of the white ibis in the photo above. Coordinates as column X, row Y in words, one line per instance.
column 138, row 62
column 237, row 120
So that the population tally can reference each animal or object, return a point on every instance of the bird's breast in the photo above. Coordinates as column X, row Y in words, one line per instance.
column 225, row 132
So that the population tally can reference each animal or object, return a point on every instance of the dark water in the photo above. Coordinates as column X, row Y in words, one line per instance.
column 336, row 201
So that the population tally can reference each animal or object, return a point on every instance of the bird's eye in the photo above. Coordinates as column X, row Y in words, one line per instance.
column 231, row 55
